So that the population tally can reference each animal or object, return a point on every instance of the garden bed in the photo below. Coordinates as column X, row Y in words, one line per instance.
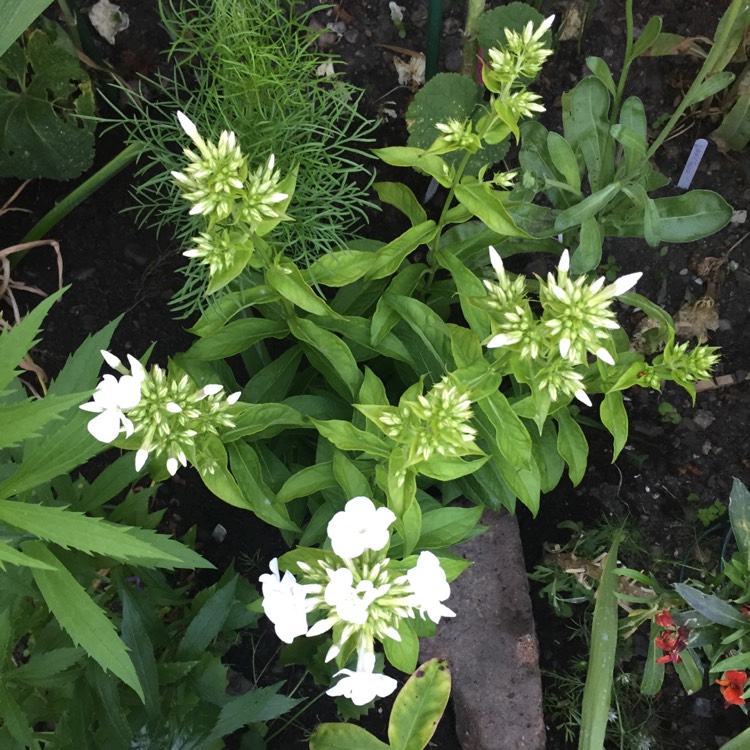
column 680, row 458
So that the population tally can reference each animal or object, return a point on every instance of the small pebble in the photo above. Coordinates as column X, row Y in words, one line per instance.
column 219, row 533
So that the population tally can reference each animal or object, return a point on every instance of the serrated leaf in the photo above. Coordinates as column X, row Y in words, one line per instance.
column 70, row 529
column 24, row 421
column 16, row 342
column 80, row 617
column 11, row 555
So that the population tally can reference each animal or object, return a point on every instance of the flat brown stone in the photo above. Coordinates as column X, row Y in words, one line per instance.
column 491, row 644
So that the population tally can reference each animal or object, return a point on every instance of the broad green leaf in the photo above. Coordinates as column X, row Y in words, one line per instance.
column 684, row 218
column 207, row 622
column 444, row 527
column 229, row 304
column 586, row 128
column 564, row 160
column 14, row 719
column 25, row 420
column 534, row 157
column 246, row 468
column 598, row 689
column 738, row 661
column 689, row 672
column 588, row 255
column 307, row 482
column 70, row 529
column 488, row 205
column 739, row 517
column 46, row 109
column 272, row 383
column 344, row 737
column 235, row 337
column 601, row 70
column 403, row 654
column 653, row 673
column 399, row 195
column 406, row 156
column 388, row 259
column 740, row 742
column 571, row 444
column 346, row 437
column 734, row 131
column 546, row 456
column 447, row 469
column 340, row 268
column 19, row 339
column 329, row 355
column 86, row 624
column 259, row 705
column 615, row 419
column 647, row 37
column 119, row 475
column 291, row 285
column 349, row 477
column 403, row 283
column 587, row 208
column 17, row 17
column 511, row 436
column 419, row 706
column 712, row 85
column 711, row 606
column 266, row 420
column 468, row 286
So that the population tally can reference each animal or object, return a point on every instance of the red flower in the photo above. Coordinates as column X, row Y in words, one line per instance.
column 732, row 687
column 664, row 619
column 672, row 640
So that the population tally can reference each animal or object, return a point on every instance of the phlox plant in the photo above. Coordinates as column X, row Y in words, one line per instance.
column 380, row 383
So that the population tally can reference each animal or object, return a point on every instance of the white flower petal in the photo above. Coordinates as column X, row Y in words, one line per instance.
column 604, row 356
column 583, row 397
column 621, row 285
column 141, row 456
column 564, row 264
column 106, row 426
column 110, row 359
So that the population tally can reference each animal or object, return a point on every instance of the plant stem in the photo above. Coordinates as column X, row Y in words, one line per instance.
column 627, row 61
column 717, row 49
column 474, row 9
column 434, row 24
column 82, row 192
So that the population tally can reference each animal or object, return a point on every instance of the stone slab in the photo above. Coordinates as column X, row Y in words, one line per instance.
column 491, row 644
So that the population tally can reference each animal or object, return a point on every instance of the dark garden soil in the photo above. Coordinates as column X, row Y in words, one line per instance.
column 676, row 461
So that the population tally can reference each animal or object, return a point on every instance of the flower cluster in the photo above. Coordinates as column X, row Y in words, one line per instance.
column 436, row 424
column 164, row 414
column 456, row 135
column 672, row 639
column 357, row 594
column 219, row 248
column 576, row 321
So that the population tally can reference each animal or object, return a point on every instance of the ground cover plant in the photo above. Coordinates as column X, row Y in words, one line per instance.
column 369, row 388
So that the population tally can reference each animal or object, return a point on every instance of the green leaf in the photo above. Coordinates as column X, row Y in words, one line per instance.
column 236, row 337
column 403, row 654
column 598, row 688
column 586, row 128
column 25, row 420
column 329, row 355
column 564, row 160
column 340, row 268
column 419, row 706
column 17, row 17
column 734, row 131
column 587, row 208
column 399, row 195
column 41, row 667
column 246, row 468
column 444, row 527
column 712, row 85
column 571, row 444
column 739, row 517
column 602, row 72
column 11, row 555
column 740, row 742
column 265, row 420
column 511, row 436
column 653, row 673
column 488, row 205
column 349, row 477
column 689, row 672
column 229, row 304
column 40, row 109
column 307, row 482
column 738, row 661
column 19, row 339
column 86, row 624
column 344, row 737
column 119, row 475
column 406, row 156
column 207, row 622
column 272, row 383
column 647, row 37
column 684, row 218
column 346, row 437
column 290, row 284
column 468, row 286
column 588, row 255
column 615, row 419
column 259, row 705
column 388, row 259
column 14, row 719
column 68, row 528
column 711, row 606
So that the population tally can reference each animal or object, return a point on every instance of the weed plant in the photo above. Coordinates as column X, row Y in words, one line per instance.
column 252, row 68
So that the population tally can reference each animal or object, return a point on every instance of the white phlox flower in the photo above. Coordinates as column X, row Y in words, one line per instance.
column 364, row 685
column 284, row 603
column 430, row 587
column 351, row 602
column 359, row 527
